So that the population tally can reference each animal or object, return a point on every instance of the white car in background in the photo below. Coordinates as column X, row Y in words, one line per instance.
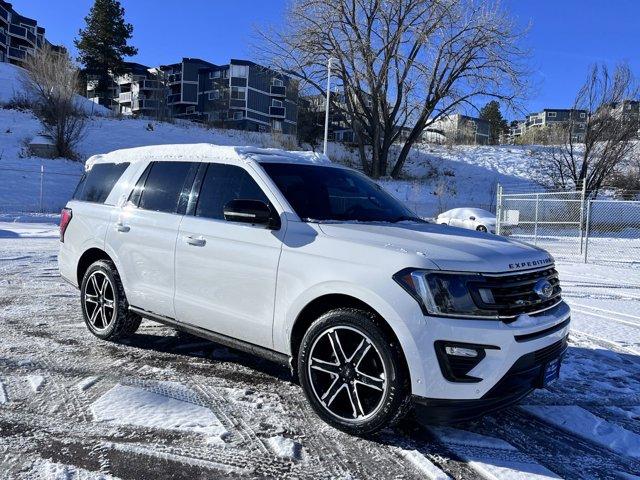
column 470, row 218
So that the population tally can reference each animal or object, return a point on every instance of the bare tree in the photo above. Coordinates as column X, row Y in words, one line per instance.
column 595, row 146
column 51, row 82
column 401, row 64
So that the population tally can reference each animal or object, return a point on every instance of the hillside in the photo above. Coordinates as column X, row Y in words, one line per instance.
column 436, row 177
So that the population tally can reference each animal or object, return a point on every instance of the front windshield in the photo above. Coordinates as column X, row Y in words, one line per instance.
column 319, row 193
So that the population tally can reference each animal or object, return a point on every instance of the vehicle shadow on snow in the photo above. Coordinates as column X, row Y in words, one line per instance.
column 189, row 347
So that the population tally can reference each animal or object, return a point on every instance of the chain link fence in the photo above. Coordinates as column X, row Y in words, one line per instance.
column 571, row 225
column 36, row 189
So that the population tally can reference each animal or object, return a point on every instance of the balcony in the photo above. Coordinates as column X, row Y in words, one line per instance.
column 144, row 104
column 124, row 97
column 17, row 54
column 277, row 112
column 23, row 34
column 175, row 78
column 278, row 91
column 4, row 39
column 150, row 85
column 4, row 15
column 175, row 98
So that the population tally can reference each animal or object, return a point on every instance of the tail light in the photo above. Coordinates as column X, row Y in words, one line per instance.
column 65, row 218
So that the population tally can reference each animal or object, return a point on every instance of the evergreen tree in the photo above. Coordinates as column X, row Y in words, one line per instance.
column 309, row 128
column 491, row 113
column 102, row 44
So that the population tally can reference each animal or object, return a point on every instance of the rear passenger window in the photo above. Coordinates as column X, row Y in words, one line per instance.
column 223, row 183
column 96, row 184
column 164, row 184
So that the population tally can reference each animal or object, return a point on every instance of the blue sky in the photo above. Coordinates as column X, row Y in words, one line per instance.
column 566, row 36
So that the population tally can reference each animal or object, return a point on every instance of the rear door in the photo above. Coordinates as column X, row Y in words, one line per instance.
column 226, row 272
column 143, row 234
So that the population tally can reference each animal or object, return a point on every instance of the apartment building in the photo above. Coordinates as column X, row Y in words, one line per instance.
column 241, row 94
column 140, row 91
column 559, row 117
column 19, row 35
column 460, row 128
column 183, row 80
column 246, row 96
column 627, row 111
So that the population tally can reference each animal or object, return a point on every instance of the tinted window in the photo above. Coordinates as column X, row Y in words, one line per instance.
column 328, row 193
column 96, row 184
column 223, row 183
column 164, row 185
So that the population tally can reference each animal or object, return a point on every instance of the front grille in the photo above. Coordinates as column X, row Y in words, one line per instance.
column 514, row 294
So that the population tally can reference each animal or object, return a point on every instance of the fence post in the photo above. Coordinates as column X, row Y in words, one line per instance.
column 498, row 209
column 583, row 195
column 535, row 225
column 587, row 227
column 41, row 187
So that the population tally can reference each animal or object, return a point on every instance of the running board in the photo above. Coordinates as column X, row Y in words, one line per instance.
column 225, row 340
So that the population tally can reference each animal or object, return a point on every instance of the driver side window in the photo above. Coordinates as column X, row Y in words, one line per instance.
column 223, row 183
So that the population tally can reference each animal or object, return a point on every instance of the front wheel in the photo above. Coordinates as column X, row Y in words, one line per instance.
column 352, row 373
column 104, row 304
column 481, row 228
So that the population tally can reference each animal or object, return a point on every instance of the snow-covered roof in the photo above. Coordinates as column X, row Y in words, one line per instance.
column 207, row 151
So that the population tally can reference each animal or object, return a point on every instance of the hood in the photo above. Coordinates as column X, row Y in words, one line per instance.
column 450, row 248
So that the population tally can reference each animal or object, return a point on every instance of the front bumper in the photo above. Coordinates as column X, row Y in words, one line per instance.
column 509, row 342
column 522, row 378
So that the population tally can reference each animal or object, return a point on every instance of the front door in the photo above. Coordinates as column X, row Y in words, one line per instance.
column 226, row 272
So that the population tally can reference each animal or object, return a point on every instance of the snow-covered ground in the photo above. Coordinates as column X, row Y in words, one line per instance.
column 162, row 405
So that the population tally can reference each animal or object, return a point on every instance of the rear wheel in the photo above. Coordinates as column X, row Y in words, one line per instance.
column 352, row 374
column 481, row 228
column 104, row 304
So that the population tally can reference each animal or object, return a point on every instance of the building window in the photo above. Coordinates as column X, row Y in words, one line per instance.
column 215, row 95
column 583, row 115
column 239, row 71
column 277, row 82
column 238, row 93
column 214, row 74
column 238, row 115
column 276, row 103
column 552, row 114
column 190, row 110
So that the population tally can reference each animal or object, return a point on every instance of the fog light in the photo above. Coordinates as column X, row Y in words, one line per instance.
column 461, row 352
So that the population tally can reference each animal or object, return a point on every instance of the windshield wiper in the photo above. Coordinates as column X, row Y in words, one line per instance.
column 408, row 218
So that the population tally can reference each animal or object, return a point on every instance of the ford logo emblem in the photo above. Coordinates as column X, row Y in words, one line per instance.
column 543, row 289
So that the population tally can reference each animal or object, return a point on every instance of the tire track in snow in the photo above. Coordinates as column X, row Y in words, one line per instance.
column 546, row 443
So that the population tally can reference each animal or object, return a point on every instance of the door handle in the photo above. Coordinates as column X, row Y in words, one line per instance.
column 195, row 241
column 120, row 227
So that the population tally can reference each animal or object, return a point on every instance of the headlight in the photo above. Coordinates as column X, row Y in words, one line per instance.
column 448, row 294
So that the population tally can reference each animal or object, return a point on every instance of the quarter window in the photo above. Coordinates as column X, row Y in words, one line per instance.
column 223, row 183
column 97, row 183
column 164, row 185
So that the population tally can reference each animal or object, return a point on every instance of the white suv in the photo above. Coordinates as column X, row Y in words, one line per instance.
column 288, row 256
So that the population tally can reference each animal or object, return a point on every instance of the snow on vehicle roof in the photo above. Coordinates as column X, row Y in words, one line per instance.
column 208, row 151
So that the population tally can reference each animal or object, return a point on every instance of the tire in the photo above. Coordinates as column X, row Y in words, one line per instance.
column 481, row 228
column 368, row 388
column 104, row 304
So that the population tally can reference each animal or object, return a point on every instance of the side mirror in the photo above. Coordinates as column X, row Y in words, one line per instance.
column 472, row 217
column 254, row 212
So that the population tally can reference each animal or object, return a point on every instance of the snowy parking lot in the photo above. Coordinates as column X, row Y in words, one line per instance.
column 162, row 405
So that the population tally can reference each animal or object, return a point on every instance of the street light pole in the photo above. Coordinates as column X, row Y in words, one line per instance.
column 326, row 108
